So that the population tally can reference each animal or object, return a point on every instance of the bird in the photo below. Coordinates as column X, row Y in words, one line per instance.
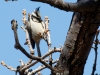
column 36, row 28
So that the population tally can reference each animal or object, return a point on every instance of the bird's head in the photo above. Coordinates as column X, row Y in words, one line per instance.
column 35, row 16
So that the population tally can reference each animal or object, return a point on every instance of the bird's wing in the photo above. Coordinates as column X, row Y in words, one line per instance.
column 38, row 49
column 32, row 41
column 28, row 27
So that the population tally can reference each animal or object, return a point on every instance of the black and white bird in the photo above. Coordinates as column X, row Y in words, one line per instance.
column 36, row 28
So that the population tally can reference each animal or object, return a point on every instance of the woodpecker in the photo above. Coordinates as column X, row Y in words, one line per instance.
column 36, row 28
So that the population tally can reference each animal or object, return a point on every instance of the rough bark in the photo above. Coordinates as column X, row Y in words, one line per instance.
column 78, row 43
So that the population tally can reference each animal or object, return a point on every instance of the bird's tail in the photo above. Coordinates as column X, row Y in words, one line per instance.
column 38, row 49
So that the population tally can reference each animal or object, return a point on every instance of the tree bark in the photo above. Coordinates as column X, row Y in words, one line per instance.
column 78, row 43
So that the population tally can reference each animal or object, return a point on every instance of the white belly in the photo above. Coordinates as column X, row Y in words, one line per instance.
column 36, row 29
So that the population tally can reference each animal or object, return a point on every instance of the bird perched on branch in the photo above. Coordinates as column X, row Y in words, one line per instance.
column 36, row 28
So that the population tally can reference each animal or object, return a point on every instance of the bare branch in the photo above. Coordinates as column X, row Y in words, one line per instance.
column 26, row 31
column 81, row 6
column 24, row 16
column 47, row 54
column 30, row 61
column 47, row 31
column 22, row 63
column 95, row 49
column 9, row 67
column 28, row 41
column 42, row 67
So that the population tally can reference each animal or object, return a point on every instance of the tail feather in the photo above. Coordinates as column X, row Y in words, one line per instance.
column 32, row 41
column 38, row 49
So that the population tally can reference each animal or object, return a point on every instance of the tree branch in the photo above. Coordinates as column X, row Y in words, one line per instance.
column 26, row 31
column 78, row 42
column 95, row 49
column 41, row 68
column 43, row 57
column 9, row 67
column 81, row 6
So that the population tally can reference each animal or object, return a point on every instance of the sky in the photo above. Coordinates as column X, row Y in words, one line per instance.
column 59, row 25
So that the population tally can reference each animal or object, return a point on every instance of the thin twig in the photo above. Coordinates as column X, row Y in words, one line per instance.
column 48, row 38
column 47, row 54
column 30, row 61
column 28, row 40
column 95, row 49
column 26, row 32
column 9, row 67
column 22, row 63
column 47, row 31
column 41, row 68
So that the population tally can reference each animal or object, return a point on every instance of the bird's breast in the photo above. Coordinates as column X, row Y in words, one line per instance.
column 37, row 31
